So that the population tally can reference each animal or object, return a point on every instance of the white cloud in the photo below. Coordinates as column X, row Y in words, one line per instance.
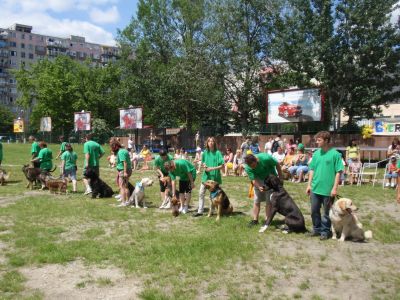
column 27, row 12
column 104, row 16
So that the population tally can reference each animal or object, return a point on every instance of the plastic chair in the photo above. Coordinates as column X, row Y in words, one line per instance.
column 369, row 170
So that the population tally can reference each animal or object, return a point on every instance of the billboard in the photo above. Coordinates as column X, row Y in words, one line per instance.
column 290, row 106
column 131, row 118
column 386, row 128
column 45, row 124
column 82, row 121
column 18, row 125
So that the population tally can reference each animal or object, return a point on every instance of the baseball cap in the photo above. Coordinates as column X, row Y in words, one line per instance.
column 300, row 146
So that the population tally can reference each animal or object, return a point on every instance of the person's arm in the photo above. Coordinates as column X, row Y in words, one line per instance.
column 279, row 170
column 191, row 180
column 62, row 165
column 173, row 188
column 58, row 154
column 336, row 184
column 87, row 157
column 125, row 169
column 101, row 152
column 310, row 177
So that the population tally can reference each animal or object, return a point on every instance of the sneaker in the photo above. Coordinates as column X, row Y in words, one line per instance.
column 393, row 185
column 185, row 210
column 312, row 234
column 180, row 209
column 118, row 196
column 168, row 205
column 387, row 184
column 87, row 192
column 252, row 223
column 123, row 204
column 197, row 214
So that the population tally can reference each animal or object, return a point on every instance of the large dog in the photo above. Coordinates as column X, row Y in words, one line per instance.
column 32, row 174
column 137, row 197
column 98, row 186
column 218, row 199
column 3, row 176
column 345, row 224
column 282, row 203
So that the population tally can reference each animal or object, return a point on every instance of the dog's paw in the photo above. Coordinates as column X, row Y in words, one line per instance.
column 334, row 237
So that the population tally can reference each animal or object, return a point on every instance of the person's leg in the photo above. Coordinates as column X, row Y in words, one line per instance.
column 162, row 193
column 299, row 173
column 325, row 220
column 394, row 180
column 256, row 210
column 202, row 193
column 316, row 212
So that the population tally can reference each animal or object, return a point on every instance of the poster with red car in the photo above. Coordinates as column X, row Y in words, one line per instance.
column 131, row 118
column 297, row 105
column 82, row 121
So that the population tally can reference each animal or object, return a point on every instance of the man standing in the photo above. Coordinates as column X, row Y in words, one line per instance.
column 35, row 149
column 93, row 152
column 45, row 159
column 259, row 167
column 187, row 175
column 323, row 180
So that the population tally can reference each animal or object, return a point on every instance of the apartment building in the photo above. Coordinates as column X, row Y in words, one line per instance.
column 20, row 47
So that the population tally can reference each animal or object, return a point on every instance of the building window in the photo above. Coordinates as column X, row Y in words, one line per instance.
column 30, row 47
column 23, row 54
column 30, row 55
column 23, row 36
column 13, row 53
column 13, row 44
column 22, row 45
column 14, row 35
column 30, row 37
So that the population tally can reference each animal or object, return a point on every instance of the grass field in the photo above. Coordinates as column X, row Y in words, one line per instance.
column 73, row 247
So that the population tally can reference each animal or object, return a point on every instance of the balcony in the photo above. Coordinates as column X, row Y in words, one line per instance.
column 4, row 64
column 4, row 54
column 3, row 35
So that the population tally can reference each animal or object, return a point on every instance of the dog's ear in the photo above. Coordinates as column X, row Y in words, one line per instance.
column 273, row 182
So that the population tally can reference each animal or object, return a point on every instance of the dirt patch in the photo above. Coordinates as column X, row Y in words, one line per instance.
column 77, row 281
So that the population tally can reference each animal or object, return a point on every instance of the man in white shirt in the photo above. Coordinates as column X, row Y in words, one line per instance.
column 279, row 155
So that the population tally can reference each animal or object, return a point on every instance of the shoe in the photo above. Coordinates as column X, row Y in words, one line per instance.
column 87, row 192
column 118, row 196
column 312, row 234
column 323, row 237
column 185, row 210
column 393, row 185
column 198, row 215
column 180, row 209
column 252, row 223
column 387, row 184
column 123, row 204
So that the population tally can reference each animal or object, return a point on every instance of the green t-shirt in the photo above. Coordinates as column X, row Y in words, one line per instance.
column 266, row 166
column 159, row 163
column 212, row 159
column 46, row 156
column 325, row 165
column 94, row 150
column 62, row 147
column 1, row 151
column 35, row 148
column 123, row 155
column 182, row 168
column 70, row 159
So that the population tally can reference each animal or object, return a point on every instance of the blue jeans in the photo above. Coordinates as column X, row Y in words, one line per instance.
column 321, row 225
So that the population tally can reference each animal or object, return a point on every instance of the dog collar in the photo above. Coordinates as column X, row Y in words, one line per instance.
column 214, row 194
column 139, row 185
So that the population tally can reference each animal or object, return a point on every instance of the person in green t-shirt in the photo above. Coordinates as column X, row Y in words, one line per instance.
column 93, row 152
column 187, row 175
column 62, row 146
column 258, row 167
column 35, row 149
column 1, row 152
column 323, row 180
column 45, row 158
column 159, row 162
column 68, row 164
column 124, row 169
column 212, row 162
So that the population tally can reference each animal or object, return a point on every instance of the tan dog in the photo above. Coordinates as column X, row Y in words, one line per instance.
column 218, row 199
column 57, row 186
column 345, row 223
column 3, row 176
column 175, row 204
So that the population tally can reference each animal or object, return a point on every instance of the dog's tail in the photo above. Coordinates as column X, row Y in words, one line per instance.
column 368, row 234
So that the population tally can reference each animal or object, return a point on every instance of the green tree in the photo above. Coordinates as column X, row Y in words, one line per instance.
column 6, row 119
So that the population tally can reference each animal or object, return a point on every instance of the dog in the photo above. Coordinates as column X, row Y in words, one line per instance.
column 345, row 223
column 137, row 197
column 282, row 203
column 175, row 204
column 3, row 176
column 112, row 160
column 98, row 186
column 218, row 199
column 32, row 174
column 58, row 185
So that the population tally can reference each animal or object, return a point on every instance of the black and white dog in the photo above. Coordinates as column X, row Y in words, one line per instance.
column 98, row 186
column 282, row 203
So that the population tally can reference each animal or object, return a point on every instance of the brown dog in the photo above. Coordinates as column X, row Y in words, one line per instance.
column 57, row 186
column 175, row 204
column 218, row 199
column 3, row 176
column 32, row 174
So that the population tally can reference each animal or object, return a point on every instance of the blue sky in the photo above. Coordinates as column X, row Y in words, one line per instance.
column 96, row 20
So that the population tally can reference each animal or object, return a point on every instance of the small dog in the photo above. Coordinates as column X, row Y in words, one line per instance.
column 32, row 174
column 137, row 196
column 218, row 199
column 345, row 223
column 175, row 204
column 98, row 186
column 3, row 176
column 282, row 203
column 58, row 185
column 112, row 160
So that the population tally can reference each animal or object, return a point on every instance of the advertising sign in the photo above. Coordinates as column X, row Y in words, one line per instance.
column 386, row 128
column 82, row 121
column 290, row 106
column 45, row 124
column 18, row 125
column 131, row 118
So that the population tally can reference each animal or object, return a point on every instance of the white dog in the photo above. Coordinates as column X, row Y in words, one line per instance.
column 345, row 223
column 137, row 196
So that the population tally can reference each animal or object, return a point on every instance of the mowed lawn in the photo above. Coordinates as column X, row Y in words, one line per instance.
column 74, row 247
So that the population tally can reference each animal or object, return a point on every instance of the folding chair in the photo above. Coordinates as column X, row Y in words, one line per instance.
column 369, row 170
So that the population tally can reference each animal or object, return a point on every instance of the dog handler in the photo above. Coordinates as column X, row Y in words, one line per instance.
column 68, row 164
column 93, row 152
column 259, row 167
column 45, row 158
column 187, row 175
column 159, row 162
column 212, row 162
column 124, row 169
column 323, row 180
column 35, row 149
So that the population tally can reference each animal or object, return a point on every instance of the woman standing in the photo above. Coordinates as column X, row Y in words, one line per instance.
column 352, row 152
column 68, row 165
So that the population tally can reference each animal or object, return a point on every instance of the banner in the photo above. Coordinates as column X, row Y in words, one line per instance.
column 82, row 121
column 18, row 125
column 131, row 118
column 290, row 106
column 45, row 124
column 386, row 128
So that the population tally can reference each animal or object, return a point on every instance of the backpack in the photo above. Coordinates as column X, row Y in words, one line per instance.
column 275, row 146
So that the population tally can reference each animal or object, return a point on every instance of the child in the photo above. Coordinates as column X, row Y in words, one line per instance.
column 391, row 172
column 354, row 170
